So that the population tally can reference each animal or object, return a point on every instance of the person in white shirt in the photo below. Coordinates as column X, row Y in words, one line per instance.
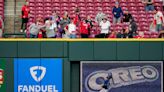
column 50, row 28
column 35, row 28
column 105, row 27
column 158, row 20
column 71, row 30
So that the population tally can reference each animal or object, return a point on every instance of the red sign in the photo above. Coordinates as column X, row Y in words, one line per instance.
column 1, row 76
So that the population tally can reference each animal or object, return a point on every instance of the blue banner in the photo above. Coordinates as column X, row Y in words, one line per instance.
column 38, row 75
column 127, row 76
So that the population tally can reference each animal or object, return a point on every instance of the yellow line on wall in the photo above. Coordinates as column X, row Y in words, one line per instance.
column 80, row 40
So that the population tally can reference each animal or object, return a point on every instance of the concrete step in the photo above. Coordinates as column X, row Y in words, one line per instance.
column 9, row 12
column 9, row 3
column 20, row 3
column 9, row 24
column 12, row 20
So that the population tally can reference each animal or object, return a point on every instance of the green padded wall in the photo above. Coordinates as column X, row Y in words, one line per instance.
column 78, row 51
column 105, row 50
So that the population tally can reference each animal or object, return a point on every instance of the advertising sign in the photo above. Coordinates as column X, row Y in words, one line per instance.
column 124, row 76
column 38, row 75
column 2, row 75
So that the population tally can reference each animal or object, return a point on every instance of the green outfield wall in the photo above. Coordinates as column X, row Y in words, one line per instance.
column 73, row 51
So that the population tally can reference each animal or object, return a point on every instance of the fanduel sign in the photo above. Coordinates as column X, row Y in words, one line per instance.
column 121, row 75
column 33, row 71
column 38, row 75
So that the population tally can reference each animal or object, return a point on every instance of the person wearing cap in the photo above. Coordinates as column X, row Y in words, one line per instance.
column 105, row 27
column 100, row 15
column 127, row 16
column 117, row 13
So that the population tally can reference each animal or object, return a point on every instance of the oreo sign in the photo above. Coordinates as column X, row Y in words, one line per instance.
column 106, row 77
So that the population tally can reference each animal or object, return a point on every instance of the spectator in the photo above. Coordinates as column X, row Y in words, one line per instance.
column 100, row 15
column 148, row 5
column 161, row 34
column 55, row 21
column 50, row 28
column 66, row 14
column 126, row 33
column 158, row 19
column 55, row 18
column 84, row 29
column 71, row 30
column 25, row 14
column 105, row 26
column 34, row 29
column 120, row 34
column 1, row 27
column 64, row 22
column 117, row 13
column 77, row 16
column 127, row 16
column 152, row 28
column 117, row 1
column 132, row 28
column 112, row 35
column 90, row 22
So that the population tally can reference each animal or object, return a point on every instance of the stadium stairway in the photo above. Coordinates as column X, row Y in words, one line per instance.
column 18, row 20
column 13, row 18
column 9, row 16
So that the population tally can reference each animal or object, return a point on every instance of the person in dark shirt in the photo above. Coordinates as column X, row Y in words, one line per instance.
column 124, row 33
column 90, row 22
column 149, row 5
column 127, row 16
column 132, row 28
column 117, row 13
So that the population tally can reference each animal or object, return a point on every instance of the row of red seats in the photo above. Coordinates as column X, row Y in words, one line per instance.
column 2, row 8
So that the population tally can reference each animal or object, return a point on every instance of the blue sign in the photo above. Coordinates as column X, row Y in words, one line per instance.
column 38, row 75
column 134, row 76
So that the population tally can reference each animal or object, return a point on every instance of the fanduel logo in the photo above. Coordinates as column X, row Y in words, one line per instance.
column 120, row 77
column 1, row 77
column 33, row 71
